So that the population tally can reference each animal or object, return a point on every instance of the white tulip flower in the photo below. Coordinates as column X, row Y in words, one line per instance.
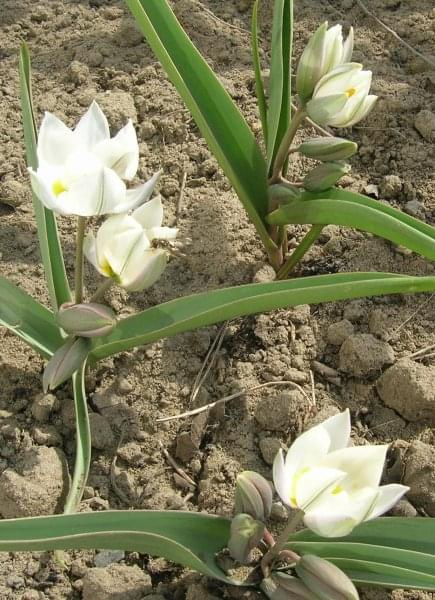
column 325, row 51
column 126, row 246
column 81, row 172
column 341, row 98
column 336, row 486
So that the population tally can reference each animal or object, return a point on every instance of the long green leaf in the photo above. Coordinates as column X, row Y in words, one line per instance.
column 278, row 116
column 218, row 118
column 259, row 88
column 389, row 225
column 391, row 552
column 28, row 319
column 83, row 443
column 49, row 243
column 191, row 539
column 204, row 309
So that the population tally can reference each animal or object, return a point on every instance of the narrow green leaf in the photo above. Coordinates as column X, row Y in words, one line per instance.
column 28, row 319
column 200, row 310
column 218, row 118
column 390, row 552
column 387, row 224
column 278, row 116
column 191, row 539
column 83, row 443
column 259, row 88
column 49, row 243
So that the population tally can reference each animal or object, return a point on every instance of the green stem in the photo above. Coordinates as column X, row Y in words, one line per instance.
column 273, row 552
column 101, row 290
column 83, row 443
column 80, row 236
column 300, row 251
column 283, row 150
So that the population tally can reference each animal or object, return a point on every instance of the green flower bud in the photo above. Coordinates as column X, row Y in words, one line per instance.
column 328, row 149
column 281, row 586
column 324, row 579
column 253, row 495
column 281, row 193
column 64, row 362
column 86, row 320
column 245, row 534
column 324, row 176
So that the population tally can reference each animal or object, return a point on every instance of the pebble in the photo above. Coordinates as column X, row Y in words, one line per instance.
column 269, row 447
column 299, row 314
column 116, row 581
column 264, row 273
column 354, row 311
column 118, row 106
column 391, row 186
column 408, row 387
column 104, row 558
column 414, row 208
column 15, row 581
column 362, row 355
column 124, row 386
column 43, row 406
column 13, row 193
column 296, row 376
column 46, row 435
column 425, row 125
column 339, row 331
column 278, row 512
column 419, row 475
column 101, row 433
column 282, row 412
column 403, row 508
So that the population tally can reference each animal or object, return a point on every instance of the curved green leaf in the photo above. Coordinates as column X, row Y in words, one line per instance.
column 191, row 539
column 49, row 243
column 218, row 118
column 391, row 552
column 199, row 310
column 278, row 116
column 259, row 88
column 28, row 319
column 389, row 225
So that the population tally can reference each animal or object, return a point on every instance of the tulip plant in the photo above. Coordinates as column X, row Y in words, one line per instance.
column 84, row 174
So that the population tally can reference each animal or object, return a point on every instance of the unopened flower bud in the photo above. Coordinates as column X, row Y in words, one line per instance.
column 328, row 149
column 281, row 193
column 324, row 579
column 245, row 534
column 65, row 362
column 253, row 495
column 324, row 176
column 281, row 586
column 86, row 320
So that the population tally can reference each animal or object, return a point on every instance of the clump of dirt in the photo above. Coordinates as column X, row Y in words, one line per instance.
column 89, row 49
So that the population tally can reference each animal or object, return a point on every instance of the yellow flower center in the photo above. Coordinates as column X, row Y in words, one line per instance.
column 107, row 270
column 58, row 187
column 350, row 92
column 298, row 475
column 337, row 490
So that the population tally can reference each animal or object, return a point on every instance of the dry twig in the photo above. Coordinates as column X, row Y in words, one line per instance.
column 175, row 465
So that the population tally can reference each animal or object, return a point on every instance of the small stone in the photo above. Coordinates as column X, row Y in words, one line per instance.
column 296, row 376
column 299, row 314
column 101, row 433
column 13, row 193
column 15, row 581
column 77, row 72
column 43, row 406
column 104, row 558
column 425, row 125
column 354, row 311
column 414, row 208
column 269, row 447
column 147, row 130
column 333, row 246
column 403, row 508
column 409, row 388
column 46, row 435
column 283, row 412
column 338, row 332
column 30, row 595
column 118, row 106
column 419, row 475
column 196, row 591
column 391, row 186
column 278, row 512
column 362, row 355
column 124, row 386
column 264, row 273
column 379, row 323
column 115, row 582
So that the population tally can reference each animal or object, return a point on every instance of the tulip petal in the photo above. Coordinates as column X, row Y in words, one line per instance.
column 338, row 428
column 363, row 465
column 311, row 484
column 308, row 449
column 162, row 233
column 41, row 189
column 283, row 479
column 348, row 47
column 387, row 497
column 138, row 195
column 363, row 109
column 90, row 251
column 333, row 47
column 143, row 272
column 337, row 80
column 92, row 127
column 55, row 141
column 92, row 194
column 150, row 214
column 117, row 239
column 120, row 153
column 322, row 109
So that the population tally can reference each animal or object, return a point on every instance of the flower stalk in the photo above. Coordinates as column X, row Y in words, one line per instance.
column 282, row 540
column 80, row 236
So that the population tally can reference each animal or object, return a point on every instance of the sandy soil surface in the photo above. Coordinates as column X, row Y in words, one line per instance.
column 361, row 353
